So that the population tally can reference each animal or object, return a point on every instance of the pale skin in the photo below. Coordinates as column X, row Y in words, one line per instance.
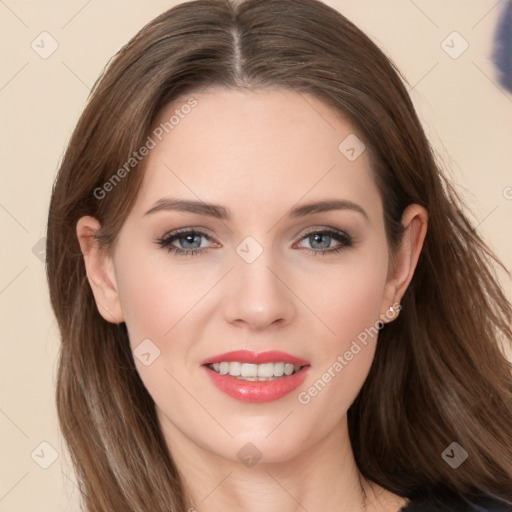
column 257, row 154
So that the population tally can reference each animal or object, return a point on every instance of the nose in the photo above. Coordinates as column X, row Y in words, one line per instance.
column 257, row 296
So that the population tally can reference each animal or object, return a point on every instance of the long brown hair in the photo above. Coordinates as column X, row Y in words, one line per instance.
column 438, row 374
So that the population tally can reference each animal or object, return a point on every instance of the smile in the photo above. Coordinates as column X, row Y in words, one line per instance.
column 256, row 377
column 255, row 372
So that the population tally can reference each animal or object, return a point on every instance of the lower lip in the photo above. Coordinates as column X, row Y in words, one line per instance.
column 255, row 391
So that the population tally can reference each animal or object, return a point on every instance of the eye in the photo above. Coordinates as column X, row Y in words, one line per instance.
column 326, row 241
column 190, row 242
column 185, row 242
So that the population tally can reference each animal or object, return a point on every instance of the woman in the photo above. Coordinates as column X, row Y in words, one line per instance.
column 268, row 295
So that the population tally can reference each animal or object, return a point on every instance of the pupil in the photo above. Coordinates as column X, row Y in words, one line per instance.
column 192, row 240
column 317, row 238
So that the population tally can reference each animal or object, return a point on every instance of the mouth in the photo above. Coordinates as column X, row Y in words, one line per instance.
column 256, row 377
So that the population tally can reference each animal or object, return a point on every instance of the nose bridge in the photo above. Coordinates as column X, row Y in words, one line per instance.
column 256, row 295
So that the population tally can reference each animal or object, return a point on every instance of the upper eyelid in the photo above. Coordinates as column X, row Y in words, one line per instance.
column 304, row 232
column 323, row 230
column 186, row 231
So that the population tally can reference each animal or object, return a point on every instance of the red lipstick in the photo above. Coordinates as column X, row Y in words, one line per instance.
column 246, row 356
column 256, row 391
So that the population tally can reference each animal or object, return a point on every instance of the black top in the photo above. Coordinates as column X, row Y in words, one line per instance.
column 454, row 503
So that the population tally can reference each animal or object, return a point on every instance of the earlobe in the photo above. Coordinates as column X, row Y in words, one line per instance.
column 414, row 221
column 100, row 271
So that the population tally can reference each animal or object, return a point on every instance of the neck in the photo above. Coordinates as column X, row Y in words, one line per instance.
column 322, row 477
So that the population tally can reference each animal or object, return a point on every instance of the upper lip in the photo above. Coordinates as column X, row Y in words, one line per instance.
column 246, row 356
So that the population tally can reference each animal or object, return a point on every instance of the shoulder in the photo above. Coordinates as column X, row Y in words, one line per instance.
column 450, row 502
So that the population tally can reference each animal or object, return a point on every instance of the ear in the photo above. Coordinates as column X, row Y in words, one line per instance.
column 100, row 271
column 403, row 264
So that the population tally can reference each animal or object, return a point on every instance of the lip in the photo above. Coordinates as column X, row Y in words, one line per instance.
column 255, row 391
column 246, row 356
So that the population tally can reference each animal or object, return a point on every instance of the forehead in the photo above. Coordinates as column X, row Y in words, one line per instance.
column 271, row 147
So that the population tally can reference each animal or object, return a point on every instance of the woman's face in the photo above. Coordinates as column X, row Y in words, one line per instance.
column 281, row 248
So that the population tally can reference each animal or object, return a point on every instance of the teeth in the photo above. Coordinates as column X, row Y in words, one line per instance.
column 278, row 369
column 234, row 369
column 253, row 372
column 266, row 370
column 246, row 370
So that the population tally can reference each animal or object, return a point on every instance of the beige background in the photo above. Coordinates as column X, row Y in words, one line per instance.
column 41, row 99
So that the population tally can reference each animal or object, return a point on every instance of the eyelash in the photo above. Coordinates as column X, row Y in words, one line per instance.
column 166, row 241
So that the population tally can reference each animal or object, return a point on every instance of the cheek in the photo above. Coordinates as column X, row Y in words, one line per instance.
column 158, row 300
column 156, row 294
column 350, row 297
column 350, row 305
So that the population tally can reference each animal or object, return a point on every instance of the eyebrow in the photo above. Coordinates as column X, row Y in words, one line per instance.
column 222, row 213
